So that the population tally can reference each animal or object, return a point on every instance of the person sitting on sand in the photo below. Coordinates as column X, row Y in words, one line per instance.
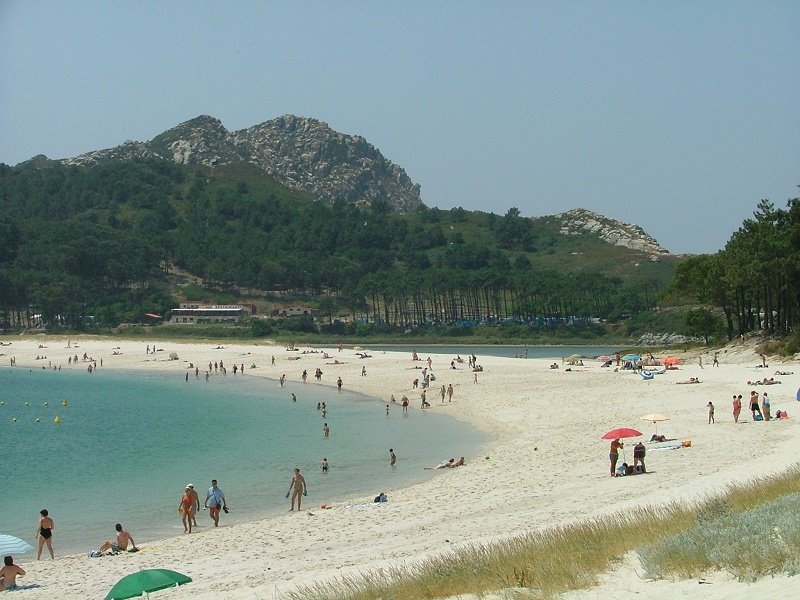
column 554, row 366
column 621, row 470
column 121, row 543
column 459, row 463
column 9, row 573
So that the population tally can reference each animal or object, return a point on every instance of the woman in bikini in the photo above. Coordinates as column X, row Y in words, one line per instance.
column 44, row 532
column 186, row 508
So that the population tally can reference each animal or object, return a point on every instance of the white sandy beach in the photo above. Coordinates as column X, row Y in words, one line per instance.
column 545, row 464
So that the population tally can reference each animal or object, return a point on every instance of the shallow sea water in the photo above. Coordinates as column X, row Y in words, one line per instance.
column 128, row 442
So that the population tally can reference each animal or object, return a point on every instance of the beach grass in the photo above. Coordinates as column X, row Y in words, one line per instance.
column 748, row 530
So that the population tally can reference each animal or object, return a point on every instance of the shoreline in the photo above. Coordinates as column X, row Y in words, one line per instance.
column 256, row 492
column 545, row 463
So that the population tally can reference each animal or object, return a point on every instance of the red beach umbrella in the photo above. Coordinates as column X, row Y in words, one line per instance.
column 621, row 432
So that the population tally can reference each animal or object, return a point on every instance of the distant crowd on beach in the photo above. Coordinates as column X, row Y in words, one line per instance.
column 189, row 504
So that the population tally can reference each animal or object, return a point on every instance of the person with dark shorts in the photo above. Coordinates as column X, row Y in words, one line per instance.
column 638, row 456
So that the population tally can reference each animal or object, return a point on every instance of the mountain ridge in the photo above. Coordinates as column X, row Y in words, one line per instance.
column 306, row 155
column 302, row 153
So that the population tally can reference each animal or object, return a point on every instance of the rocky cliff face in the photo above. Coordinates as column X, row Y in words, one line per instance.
column 302, row 153
column 581, row 221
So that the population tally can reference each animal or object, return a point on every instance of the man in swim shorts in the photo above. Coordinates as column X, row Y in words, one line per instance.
column 121, row 543
column 9, row 573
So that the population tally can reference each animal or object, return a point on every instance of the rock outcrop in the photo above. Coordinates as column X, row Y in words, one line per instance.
column 581, row 221
column 302, row 153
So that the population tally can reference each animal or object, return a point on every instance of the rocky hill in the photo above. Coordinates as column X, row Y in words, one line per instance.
column 299, row 152
column 580, row 221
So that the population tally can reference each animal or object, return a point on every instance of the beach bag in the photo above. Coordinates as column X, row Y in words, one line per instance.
column 758, row 418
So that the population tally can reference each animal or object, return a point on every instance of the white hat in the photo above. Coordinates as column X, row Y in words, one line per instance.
column 190, row 485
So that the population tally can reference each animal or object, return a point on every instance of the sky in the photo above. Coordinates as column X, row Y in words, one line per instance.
column 675, row 116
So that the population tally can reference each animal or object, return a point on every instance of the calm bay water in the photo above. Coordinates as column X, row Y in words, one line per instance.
column 128, row 443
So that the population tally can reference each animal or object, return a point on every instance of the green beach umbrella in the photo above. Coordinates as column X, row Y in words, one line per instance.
column 144, row 582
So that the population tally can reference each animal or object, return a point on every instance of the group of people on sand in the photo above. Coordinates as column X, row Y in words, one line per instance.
column 189, row 505
column 762, row 412
column 449, row 464
column 639, row 452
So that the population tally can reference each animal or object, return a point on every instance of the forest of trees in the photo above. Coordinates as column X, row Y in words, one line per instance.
column 95, row 245
column 755, row 279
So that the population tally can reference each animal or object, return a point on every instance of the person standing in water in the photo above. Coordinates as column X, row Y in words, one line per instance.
column 297, row 488
column 44, row 533
column 186, row 509
column 392, row 457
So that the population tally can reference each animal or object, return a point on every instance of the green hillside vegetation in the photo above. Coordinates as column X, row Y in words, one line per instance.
column 97, row 246
column 753, row 284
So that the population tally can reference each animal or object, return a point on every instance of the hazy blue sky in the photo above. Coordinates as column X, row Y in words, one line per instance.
column 676, row 116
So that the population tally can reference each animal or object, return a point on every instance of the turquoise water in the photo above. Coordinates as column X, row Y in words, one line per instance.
column 129, row 442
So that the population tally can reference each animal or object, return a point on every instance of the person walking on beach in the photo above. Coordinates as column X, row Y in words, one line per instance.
column 450, row 393
column 297, row 488
column 9, row 573
column 613, row 455
column 710, row 413
column 44, row 533
column 392, row 457
column 215, row 499
column 715, row 362
column 737, row 407
column 404, row 401
column 196, row 499
column 339, row 384
column 186, row 508
column 443, row 392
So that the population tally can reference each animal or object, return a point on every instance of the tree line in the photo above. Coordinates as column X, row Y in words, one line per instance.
column 755, row 280
column 94, row 245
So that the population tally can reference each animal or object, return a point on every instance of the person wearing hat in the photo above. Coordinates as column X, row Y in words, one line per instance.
column 186, row 508
column 196, row 498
